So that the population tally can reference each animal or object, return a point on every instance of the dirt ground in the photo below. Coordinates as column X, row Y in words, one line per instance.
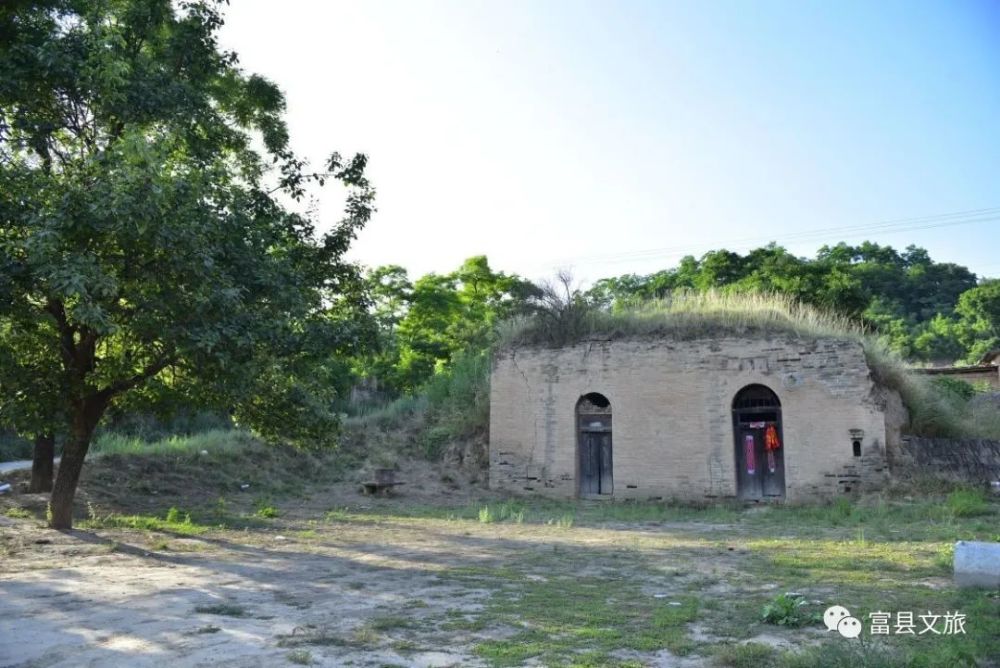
column 427, row 579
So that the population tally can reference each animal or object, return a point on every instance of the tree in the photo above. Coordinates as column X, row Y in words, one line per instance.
column 143, row 238
column 979, row 312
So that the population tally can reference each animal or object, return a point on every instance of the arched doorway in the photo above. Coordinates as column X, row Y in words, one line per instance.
column 760, row 461
column 593, row 421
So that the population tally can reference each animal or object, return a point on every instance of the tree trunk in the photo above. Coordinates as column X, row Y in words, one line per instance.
column 86, row 415
column 42, row 464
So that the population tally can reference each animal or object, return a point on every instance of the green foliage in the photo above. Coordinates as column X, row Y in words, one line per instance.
column 300, row 657
column 458, row 398
column 502, row 512
column 968, row 503
column 146, row 245
column 955, row 387
column 14, row 447
column 174, row 516
column 921, row 308
column 789, row 610
column 748, row 655
column 18, row 513
column 224, row 609
column 174, row 522
column 214, row 442
column 425, row 324
column 264, row 509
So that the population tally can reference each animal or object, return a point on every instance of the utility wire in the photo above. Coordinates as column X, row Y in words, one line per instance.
column 967, row 217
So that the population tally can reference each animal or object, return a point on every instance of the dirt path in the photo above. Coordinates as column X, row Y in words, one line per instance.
column 18, row 465
column 89, row 599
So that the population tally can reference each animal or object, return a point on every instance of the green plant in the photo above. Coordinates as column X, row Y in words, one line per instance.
column 265, row 510
column 175, row 516
column 747, row 655
column 19, row 513
column 789, row 610
column 224, row 609
column 954, row 386
column 300, row 657
column 967, row 502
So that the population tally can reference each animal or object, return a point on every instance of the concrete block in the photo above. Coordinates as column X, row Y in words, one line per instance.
column 977, row 564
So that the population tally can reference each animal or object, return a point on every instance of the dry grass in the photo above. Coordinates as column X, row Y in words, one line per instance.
column 684, row 315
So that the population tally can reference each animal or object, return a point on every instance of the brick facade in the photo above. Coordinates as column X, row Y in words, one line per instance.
column 671, row 401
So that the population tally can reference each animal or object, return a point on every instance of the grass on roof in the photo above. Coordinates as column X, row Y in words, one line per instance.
column 685, row 315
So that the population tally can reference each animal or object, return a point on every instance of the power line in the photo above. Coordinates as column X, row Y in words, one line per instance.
column 966, row 217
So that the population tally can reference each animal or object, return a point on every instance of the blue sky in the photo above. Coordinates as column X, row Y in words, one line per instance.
column 615, row 137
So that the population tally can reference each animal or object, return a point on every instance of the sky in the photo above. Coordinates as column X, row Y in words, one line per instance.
column 615, row 137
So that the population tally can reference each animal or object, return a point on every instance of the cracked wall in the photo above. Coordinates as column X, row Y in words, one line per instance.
column 673, row 430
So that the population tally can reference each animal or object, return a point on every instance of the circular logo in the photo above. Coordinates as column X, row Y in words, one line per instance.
column 833, row 615
column 849, row 627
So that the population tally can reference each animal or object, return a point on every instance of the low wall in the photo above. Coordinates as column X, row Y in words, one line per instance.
column 962, row 460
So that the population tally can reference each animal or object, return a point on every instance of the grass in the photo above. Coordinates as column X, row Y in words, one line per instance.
column 967, row 503
column 300, row 657
column 223, row 609
column 214, row 442
column 748, row 655
column 174, row 521
column 18, row 513
column 502, row 512
column 685, row 315
column 557, row 618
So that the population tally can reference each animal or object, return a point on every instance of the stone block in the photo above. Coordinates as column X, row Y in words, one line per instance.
column 977, row 564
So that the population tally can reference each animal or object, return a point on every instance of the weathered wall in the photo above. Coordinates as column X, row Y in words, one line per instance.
column 962, row 460
column 672, row 401
column 988, row 374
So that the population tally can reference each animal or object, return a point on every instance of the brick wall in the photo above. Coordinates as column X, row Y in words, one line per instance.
column 672, row 408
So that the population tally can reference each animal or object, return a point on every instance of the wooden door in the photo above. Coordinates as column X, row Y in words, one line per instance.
column 596, row 463
column 748, row 475
column 760, row 474
column 590, row 463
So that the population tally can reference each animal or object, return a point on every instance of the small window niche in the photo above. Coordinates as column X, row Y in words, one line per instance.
column 856, row 436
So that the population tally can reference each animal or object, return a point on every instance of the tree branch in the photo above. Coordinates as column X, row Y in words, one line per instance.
column 149, row 371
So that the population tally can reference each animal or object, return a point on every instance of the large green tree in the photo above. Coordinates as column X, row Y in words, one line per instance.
column 146, row 232
column 423, row 324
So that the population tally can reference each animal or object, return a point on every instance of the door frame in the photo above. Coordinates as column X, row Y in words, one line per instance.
column 768, row 409
column 594, row 418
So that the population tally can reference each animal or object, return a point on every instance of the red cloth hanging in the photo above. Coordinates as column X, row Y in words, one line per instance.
column 771, row 441
column 749, row 454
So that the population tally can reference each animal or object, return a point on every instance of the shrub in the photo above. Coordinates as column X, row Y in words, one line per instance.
column 789, row 610
column 967, row 503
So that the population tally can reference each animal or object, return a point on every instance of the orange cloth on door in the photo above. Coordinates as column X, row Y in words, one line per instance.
column 771, row 441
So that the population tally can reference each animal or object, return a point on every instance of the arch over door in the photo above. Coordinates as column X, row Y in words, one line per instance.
column 594, row 445
column 759, row 446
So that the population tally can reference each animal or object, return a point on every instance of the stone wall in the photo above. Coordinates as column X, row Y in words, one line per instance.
column 672, row 409
column 973, row 461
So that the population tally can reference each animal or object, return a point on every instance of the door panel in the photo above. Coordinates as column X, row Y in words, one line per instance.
column 773, row 482
column 607, row 485
column 596, row 465
column 748, row 461
column 589, row 464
